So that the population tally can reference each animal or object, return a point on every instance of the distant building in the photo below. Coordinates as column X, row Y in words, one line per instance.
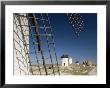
column 77, row 62
column 70, row 60
column 66, row 60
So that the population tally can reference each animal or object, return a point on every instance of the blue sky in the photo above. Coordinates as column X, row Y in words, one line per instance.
column 82, row 48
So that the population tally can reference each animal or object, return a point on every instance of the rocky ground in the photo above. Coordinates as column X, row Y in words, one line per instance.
column 70, row 70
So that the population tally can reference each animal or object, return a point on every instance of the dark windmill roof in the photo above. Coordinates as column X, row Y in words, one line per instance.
column 77, row 62
column 64, row 56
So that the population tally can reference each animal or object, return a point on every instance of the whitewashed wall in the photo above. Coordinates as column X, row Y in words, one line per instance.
column 65, row 61
column 70, row 60
column 21, row 60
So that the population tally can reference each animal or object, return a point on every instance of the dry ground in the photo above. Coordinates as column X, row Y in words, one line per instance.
column 70, row 70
